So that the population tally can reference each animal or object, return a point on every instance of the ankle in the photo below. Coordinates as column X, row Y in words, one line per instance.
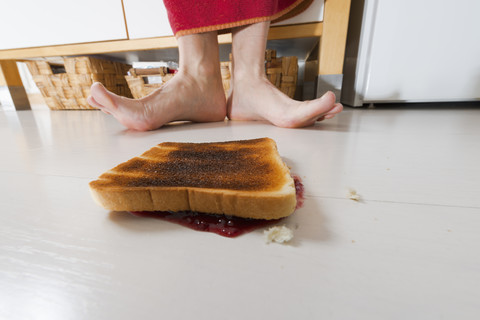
column 202, row 70
column 199, row 55
column 247, row 77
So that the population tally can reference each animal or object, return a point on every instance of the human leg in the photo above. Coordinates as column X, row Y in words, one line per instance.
column 253, row 97
column 195, row 93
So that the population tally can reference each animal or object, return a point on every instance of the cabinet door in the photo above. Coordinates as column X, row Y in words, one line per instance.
column 32, row 23
column 314, row 13
column 146, row 19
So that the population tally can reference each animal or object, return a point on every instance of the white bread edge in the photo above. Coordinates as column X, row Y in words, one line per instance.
column 256, row 205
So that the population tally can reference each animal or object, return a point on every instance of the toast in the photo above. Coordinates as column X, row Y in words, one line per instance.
column 245, row 178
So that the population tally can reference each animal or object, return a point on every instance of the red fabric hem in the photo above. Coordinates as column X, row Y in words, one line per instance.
column 244, row 22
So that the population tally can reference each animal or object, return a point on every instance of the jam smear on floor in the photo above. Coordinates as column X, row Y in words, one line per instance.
column 227, row 226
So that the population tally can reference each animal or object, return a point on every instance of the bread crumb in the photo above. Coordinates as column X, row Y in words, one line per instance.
column 352, row 194
column 278, row 234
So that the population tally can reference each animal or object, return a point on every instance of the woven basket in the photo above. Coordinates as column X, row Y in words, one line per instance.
column 137, row 80
column 67, row 86
column 282, row 72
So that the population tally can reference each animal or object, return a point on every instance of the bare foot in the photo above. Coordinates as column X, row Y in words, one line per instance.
column 184, row 97
column 258, row 99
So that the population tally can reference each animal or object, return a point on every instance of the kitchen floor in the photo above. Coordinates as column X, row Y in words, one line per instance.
column 409, row 248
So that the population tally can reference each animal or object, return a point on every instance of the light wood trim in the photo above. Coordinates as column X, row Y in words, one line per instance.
column 13, row 81
column 11, row 76
column 3, row 82
column 333, row 40
column 305, row 30
column 125, row 20
column 276, row 32
column 90, row 48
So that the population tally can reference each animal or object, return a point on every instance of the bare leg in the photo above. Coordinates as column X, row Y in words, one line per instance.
column 195, row 93
column 253, row 97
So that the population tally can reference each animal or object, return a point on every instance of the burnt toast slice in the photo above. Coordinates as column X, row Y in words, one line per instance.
column 244, row 178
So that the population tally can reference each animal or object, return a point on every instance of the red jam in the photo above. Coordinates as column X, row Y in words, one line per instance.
column 227, row 226
column 299, row 191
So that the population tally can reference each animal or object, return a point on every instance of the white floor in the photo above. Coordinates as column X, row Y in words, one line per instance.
column 409, row 249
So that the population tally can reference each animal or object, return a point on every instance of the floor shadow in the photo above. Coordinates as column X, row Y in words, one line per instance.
column 430, row 106
column 307, row 222
column 133, row 223
column 175, row 126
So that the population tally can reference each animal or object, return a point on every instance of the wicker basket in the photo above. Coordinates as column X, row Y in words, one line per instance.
column 282, row 72
column 67, row 86
column 137, row 80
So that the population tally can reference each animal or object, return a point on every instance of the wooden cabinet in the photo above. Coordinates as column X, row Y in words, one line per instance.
column 48, row 28
column 34, row 24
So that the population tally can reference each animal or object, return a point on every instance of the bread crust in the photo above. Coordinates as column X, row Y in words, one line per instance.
column 240, row 178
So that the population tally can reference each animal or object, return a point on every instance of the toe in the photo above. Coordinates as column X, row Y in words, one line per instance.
column 102, row 96
column 91, row 101
column 337, row 108
column 328, row 98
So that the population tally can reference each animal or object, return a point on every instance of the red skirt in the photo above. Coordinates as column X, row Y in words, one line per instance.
column 195, row 16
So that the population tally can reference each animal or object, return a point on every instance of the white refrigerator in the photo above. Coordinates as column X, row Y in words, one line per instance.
column 412, row 51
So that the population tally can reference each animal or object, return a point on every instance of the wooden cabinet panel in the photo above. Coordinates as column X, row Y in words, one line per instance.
column 30, row 23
